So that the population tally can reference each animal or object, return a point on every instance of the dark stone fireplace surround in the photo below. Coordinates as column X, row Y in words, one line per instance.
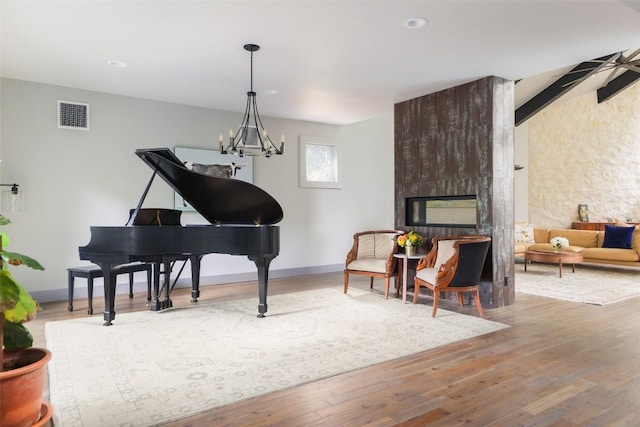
column 456, row 142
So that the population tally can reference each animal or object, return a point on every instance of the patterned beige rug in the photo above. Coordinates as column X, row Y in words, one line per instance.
column 154, row 367
column 597, row 285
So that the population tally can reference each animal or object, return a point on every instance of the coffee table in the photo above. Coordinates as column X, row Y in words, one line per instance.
column 554, row 258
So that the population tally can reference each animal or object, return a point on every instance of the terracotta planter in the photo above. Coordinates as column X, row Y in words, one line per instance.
column 21, row 387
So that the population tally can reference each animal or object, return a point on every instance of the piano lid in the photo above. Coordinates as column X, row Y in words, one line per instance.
column 219, row 200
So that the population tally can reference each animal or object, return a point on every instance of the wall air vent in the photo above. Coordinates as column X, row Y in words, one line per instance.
column 73, row 115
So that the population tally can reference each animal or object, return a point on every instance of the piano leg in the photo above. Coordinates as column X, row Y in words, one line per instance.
column 109, row 278
column 158, row 304
column 195, row 276
column 262, row 262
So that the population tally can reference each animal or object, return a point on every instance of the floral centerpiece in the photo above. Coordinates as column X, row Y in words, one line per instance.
column 559, row 243
column 410, row 241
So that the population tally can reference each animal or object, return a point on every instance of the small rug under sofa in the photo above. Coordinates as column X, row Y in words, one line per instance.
column 590, row 284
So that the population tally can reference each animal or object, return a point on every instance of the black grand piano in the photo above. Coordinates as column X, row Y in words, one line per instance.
column 242, row 218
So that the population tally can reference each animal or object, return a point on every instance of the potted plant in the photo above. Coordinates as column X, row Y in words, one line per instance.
column 22, row 367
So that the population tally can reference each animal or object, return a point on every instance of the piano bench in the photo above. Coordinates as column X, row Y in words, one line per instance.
column 91, row 272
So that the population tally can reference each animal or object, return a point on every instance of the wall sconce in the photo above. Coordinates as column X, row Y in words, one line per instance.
column 12, row 200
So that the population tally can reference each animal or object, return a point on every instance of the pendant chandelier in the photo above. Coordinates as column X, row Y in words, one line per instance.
column 251, row 139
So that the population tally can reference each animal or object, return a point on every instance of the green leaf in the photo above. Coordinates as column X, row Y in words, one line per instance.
column 24, row 306
column 11, row 257
column 9, row 291
column 5, row 240
column 16, row 335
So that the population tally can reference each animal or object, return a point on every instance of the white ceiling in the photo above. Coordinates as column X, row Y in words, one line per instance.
column 331, row 61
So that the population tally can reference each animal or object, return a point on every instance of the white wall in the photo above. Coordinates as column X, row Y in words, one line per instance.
column 74, row 179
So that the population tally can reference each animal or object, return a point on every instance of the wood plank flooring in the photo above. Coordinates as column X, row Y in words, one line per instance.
column 560, row 364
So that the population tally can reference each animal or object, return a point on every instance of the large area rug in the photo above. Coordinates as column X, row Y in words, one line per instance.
column 589, row 284
column 154, row 367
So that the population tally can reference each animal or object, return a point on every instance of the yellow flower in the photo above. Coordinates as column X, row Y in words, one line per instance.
column 410, row 239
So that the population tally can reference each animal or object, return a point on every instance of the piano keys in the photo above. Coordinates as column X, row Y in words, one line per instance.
column 241, row 217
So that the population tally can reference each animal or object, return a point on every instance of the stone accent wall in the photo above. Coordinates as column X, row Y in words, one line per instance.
column 584, row 152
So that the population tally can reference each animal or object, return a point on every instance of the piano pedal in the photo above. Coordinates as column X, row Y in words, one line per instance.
column 157, row 305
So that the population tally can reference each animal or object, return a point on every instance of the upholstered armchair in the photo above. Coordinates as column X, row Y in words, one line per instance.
column 372, row 255
column 454, row 264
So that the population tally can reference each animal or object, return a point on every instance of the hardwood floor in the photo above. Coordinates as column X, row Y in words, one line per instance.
column 560, row 364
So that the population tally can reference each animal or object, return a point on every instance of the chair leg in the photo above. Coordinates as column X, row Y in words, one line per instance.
column 346, row 282
column 386, row 288
column 371, row 283
column 416, row 291
column 476, row 298
column 460, row 298
column 436, row 298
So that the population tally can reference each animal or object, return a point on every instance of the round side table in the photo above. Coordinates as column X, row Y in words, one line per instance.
column 405, row 259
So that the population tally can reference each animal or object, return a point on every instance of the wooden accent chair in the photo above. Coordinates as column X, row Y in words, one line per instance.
column 454, row 264
column 372, row 255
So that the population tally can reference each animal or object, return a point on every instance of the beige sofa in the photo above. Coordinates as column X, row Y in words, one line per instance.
column 588, row 243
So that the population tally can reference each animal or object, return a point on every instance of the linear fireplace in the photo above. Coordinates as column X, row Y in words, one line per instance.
column 442, row 211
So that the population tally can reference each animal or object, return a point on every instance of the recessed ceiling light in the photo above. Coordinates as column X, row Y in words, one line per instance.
column 117, row 64
column 414, row 23
column 271, row 91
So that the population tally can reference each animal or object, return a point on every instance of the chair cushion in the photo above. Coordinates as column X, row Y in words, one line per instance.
column 375, row 265
column 428, row 275
column 375, row 245
column 445, row 251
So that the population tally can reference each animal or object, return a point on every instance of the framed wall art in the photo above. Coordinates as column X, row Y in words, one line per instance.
column 583, row 213
column 215, row 164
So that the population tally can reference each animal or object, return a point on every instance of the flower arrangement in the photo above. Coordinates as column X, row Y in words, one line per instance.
column 559, row 243
column 410, row 239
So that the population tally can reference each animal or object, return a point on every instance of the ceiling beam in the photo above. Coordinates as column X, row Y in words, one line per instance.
column 617, row 85
column 561, row 86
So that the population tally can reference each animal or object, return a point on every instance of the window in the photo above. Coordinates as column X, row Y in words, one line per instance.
column 318, row 162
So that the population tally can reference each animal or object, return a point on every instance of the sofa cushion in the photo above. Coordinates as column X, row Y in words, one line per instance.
column 584, row 238
column 524, row 233
column 617, row 237
column 635, row 240
column 521, row 247
column 541, row 235
column 610, row 254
